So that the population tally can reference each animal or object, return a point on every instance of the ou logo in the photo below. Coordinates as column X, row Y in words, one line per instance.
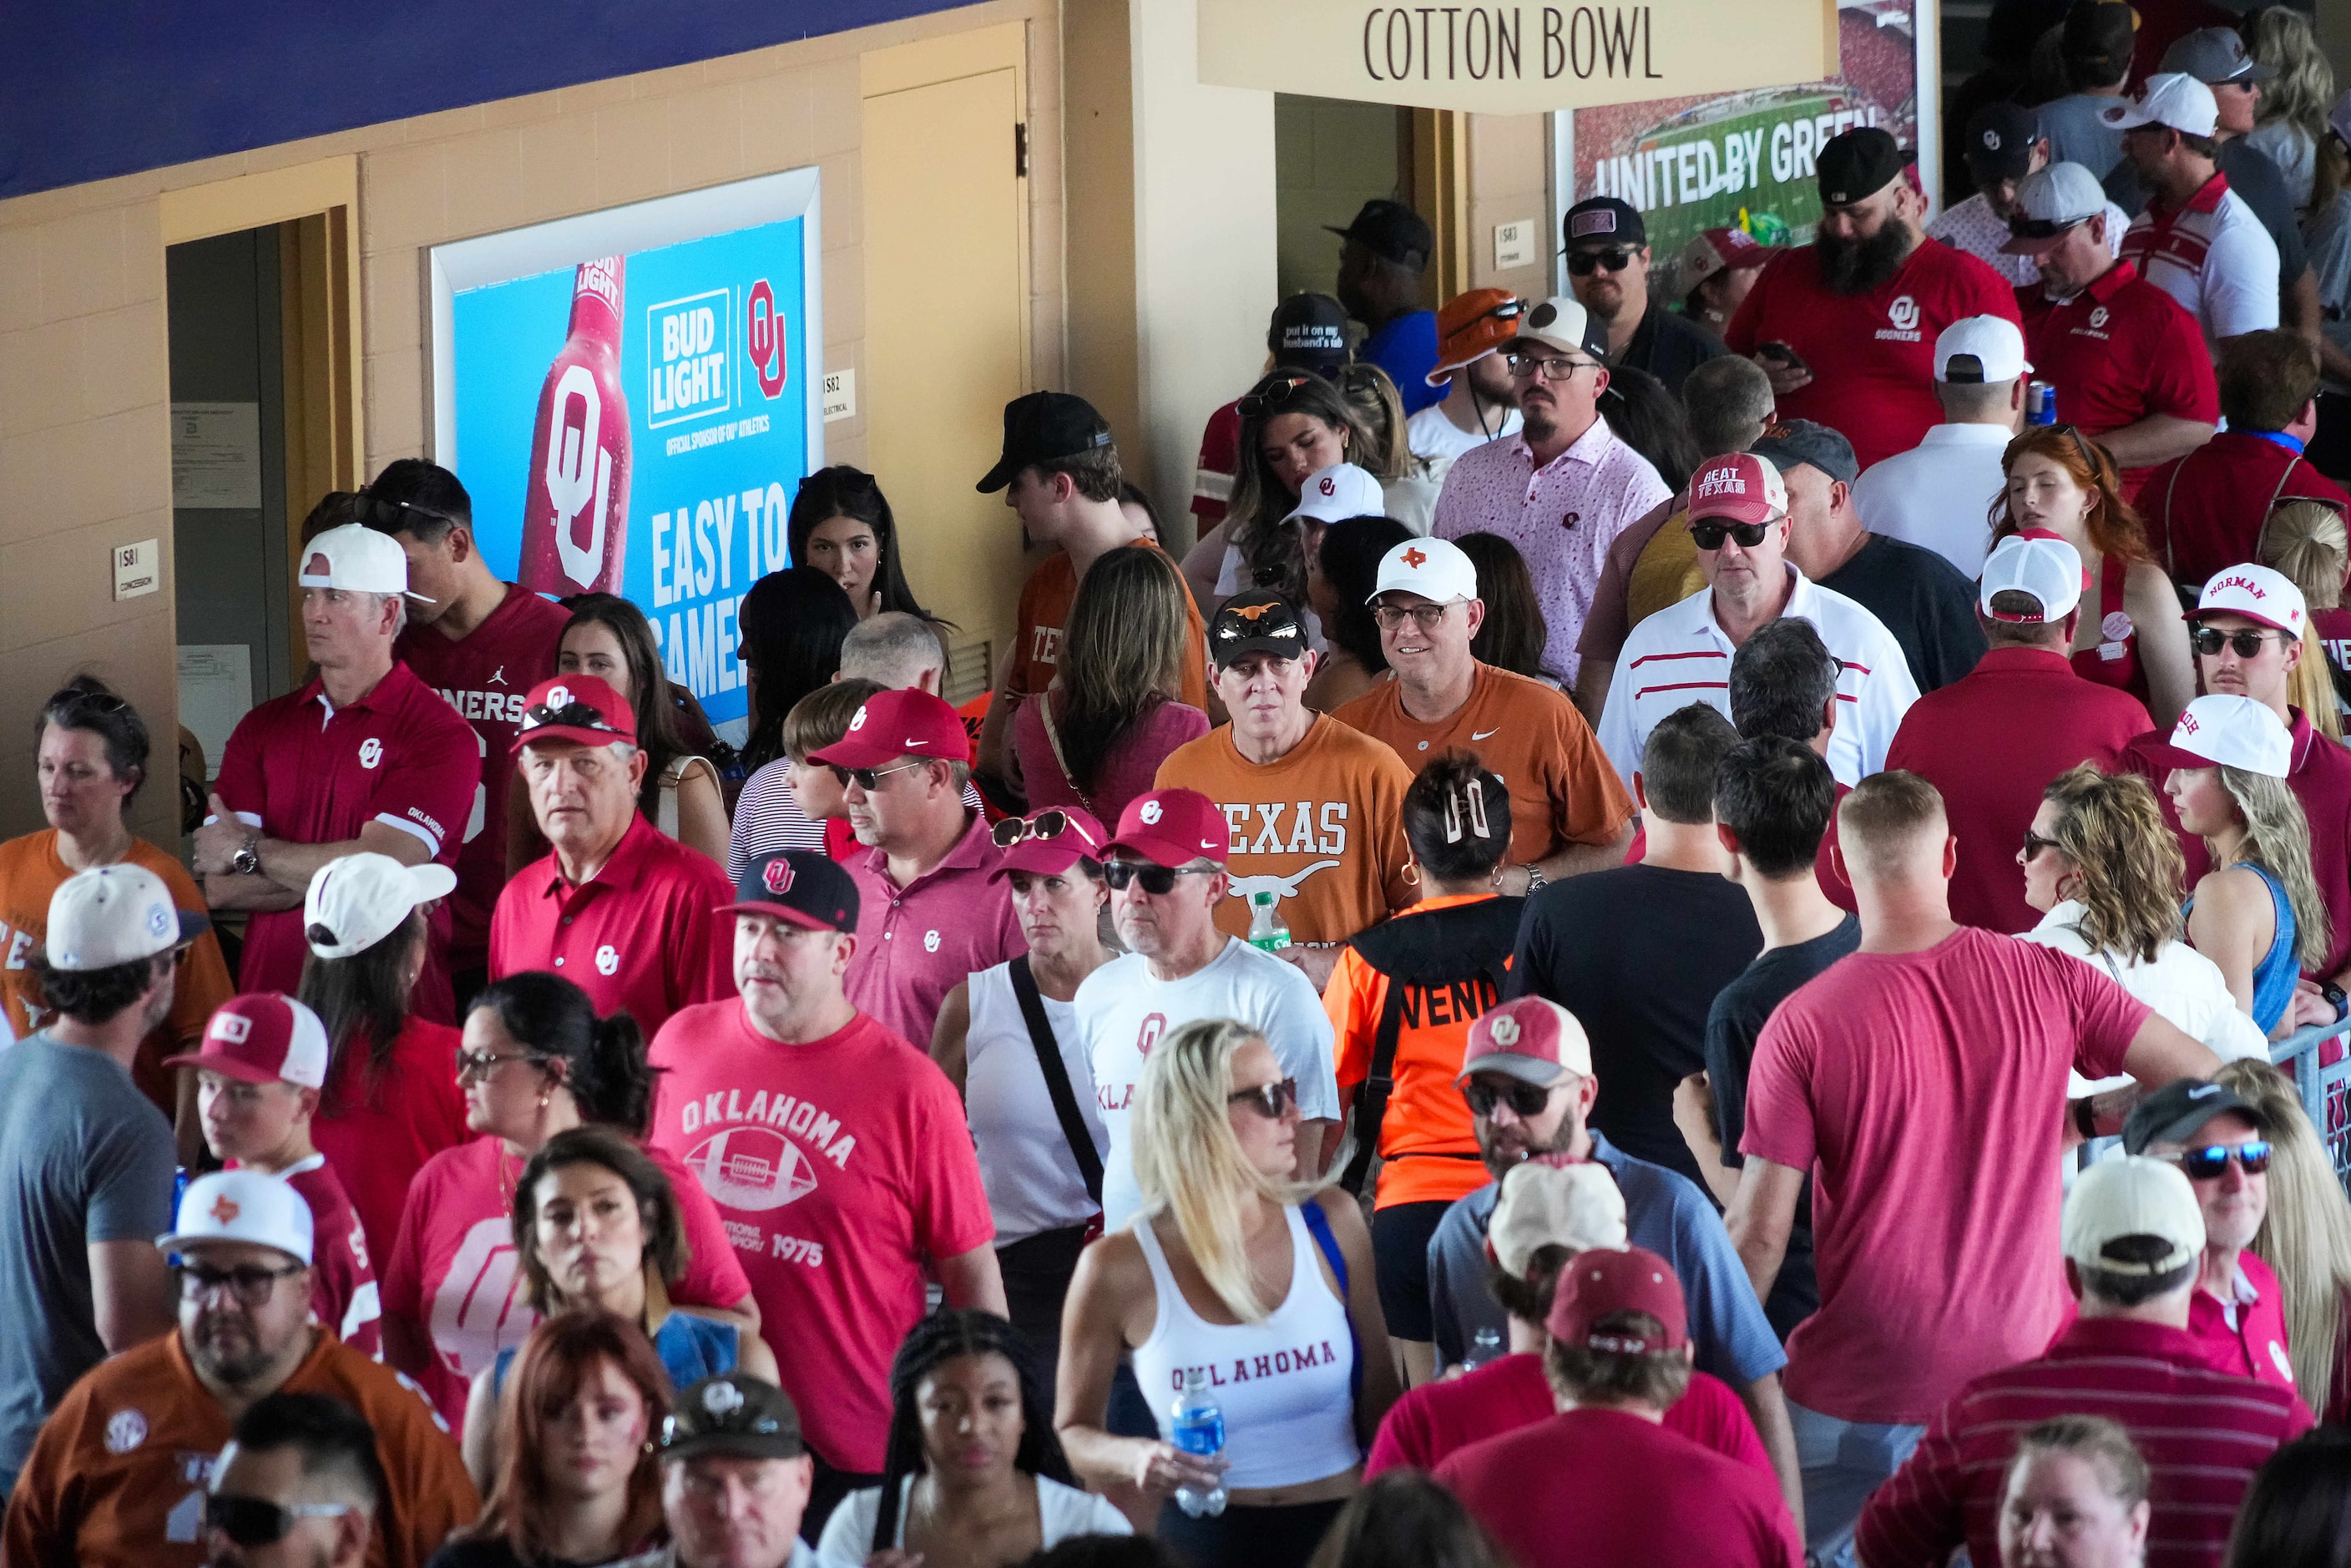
column 1152, row 811
column 608, row 959
column 763, row 335
column 1904, row 313
column 1990, row 139
column 778, row 877
column 858, row 722
column 1328, row 485
column 371, row 752
column 559, row 696
column 1154, row 1026
column 2098, row 316
column 930, row 941
column 1505, row 1030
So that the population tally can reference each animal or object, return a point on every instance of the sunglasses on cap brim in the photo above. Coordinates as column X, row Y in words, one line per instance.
column 2043, row 228
column 391, row 516
column 1043, row 828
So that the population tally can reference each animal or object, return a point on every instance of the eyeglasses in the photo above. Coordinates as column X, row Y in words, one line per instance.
column 1524, row 1099
column 2035, row 844
column 1270, row 1100
column 2210, row 640
column 1427, row 617
column 391, row 517
column 1708, row 536
column 257, row 1521
column 1273, row 397
column 251, row 1285
column 866, row 777
column 482, row 1063
column 1585, row 263
column 1044, row 827
column 2206, row 1164
column 1157, row 880
column 1548, row 367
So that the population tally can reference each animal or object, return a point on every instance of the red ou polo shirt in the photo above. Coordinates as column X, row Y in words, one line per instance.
column 2245, row 1337
column 305, row 772
column 917, row 943
column 2119, row 351
column 641, row 937
column 1991, row 741
column 2205, row 511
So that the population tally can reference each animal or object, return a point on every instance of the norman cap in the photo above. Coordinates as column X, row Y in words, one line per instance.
column 2130, row 1195
column 112, row 914
column 2173, row 100
column 733, row 1414
column 2052, row 201
column 1856, row 164
column 576, row 708
column 262, row 1037
column 1255, row 624
column 2178, row 1111
column 800, row 887
column 2233, row 732
column 242, row 1206
column 1334, row 495
column 361, row 899
column 1577, row 1206
column 1603, row 220
column 2256, row 592
column 1437, row 569
column 1041, row 426
column 898, row 723
column 1530, row 1038
column 1393, row 231
column 1602, row 1283
column 357, row 559
column 2215, row 55
column 2035, row 562
column 1173, row 827
column 1981, row 351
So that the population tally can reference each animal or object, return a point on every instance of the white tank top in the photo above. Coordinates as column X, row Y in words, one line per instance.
column 1285, row 1385
column 1025, row 1162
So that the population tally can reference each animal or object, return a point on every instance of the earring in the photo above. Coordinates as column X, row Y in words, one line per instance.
column 544, row 1096
column 1411, row 874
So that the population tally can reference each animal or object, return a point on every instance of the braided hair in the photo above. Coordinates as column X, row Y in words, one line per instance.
column 944, row 1336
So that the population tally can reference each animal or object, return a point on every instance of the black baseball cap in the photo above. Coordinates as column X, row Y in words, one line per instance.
column 1793, row 441
column 2098, row 40
column 799, row 887
column 1603, row 220
column 1257, row 624
column 2175, row 1113
column 1392, row 230
column 732, row 1414
column 1039, row 427
column 1857, row 165
column 1998, row 143
column 1309, row 333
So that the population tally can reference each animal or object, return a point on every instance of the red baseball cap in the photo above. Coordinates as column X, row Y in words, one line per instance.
column 1739, row 487
column 1531, row 1038
column 1047, row 843
column 894, row 724
column 262, row 1037
column 576, row 707
column 1174, row 827
column 1602, row 1283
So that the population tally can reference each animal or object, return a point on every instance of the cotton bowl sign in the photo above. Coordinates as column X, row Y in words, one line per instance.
column 631, row 397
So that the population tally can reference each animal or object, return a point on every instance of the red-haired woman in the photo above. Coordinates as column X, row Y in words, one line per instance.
column 2130, row 635
column 578, row 1483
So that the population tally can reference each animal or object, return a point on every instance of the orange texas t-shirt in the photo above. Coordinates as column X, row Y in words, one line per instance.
column 1045, row 609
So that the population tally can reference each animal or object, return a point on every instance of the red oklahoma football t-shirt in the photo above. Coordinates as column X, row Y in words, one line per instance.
column 1872, row 355
column 839, row 1166
column 485, row 675
column 305, row 772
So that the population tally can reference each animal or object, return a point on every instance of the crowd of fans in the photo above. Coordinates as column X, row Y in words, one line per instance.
column 1666, row 945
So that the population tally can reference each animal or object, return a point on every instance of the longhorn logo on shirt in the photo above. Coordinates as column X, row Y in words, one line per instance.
column 1904, row 313
column 371, row 752
column 2098, row 316
column 608, row 959
column 224, row 1209
column 1281, row 887
column 778, row 877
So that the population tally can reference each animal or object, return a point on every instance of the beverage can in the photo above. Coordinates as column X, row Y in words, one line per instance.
column 575, row 525
column 2040, row 404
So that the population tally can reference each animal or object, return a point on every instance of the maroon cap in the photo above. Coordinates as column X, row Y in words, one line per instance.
column 1174, row 827
column 576, row 707
column 262, row 1037
column 891, row 725
column 1047, row 843
column 1602, row 1283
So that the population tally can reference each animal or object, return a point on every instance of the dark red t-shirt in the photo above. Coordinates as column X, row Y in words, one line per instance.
column 343, row 1294
column 2204, row 512
column 1872, row 355
column 2119, row 351
column 377, row 1129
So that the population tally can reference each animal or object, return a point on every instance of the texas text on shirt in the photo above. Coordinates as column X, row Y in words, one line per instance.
column 300, row 770
column 2214, row 258
column 838, row 1166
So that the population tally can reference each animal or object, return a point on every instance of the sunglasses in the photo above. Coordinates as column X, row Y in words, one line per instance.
column 391, row 517
column 2207, row 1162
column 1273, row 398
column 1585, row 263
column 1710, row 536
column 2208, row 641
column 575, row 715
column 1524, row 1099
column 250, row 1285
column 2035, row 844
column 1044, row 827
column 257, row 1521
column 867, row 778
column 1270, row 1100
column 1157, row 880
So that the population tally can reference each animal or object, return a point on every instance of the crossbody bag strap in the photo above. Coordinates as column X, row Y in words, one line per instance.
column 1318, row 1224
column 1057, row 1075
column 1370, row 1106
column 1053, row 739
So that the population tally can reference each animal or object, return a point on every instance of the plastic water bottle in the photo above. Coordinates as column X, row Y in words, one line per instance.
column 1486, row 1346
column 1199, row 1430
column 1268, row 933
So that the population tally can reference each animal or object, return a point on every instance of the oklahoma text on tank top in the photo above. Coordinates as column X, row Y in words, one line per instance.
column 1286, row 1385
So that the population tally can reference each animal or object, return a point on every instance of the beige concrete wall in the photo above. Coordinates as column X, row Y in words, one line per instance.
column 1509, row 179
column 85, row 457
column 1334, row 156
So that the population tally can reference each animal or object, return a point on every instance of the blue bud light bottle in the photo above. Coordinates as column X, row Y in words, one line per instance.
column 2040, row 404
column 1199, row 1430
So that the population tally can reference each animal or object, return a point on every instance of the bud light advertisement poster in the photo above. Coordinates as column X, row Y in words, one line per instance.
column 631, row 399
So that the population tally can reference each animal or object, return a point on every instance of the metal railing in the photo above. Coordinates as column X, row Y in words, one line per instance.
column 2325, row 1086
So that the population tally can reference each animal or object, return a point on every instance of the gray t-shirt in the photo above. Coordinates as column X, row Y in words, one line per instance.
column 83, row 1157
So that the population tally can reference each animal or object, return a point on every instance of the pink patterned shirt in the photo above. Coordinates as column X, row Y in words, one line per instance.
column 1562, row 518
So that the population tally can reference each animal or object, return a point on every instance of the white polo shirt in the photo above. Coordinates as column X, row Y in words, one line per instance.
column 1939, row 495
column 1681, row 655
column 2214, row 258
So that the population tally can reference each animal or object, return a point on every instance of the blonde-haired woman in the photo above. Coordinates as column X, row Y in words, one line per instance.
column 2309, row 544
column 1232, row 1264
column 2257, row 913
column 1404, row 484
column 2305, row 1238
column 2292, row 110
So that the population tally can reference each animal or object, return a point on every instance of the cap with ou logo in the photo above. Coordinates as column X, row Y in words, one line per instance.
column 1334, row 495
column 1437, row 569
column 1577, row 1206
column 262, row 1038
column 2233, row 732
column 2173, row 100
column 1173, row 827
column 732, row 1414
column 1998, row 143
column 1857, row 165
column 1563, row 325
column 2050, row 202
column 2256, row 592
column 115, row 914
column 2038, row 563
column 1255, row 624
column 1533, row 1038
column 1048, row 847
column 1738, row 488
column 357, row 559
column 799, row 887
column 894, row 724
column 576, row 707
column 2127, row 1196
column 2215, row 55
column 357, row 901
column 1717, row 250
column 250, row 1207
column 1601, row 1284
column 1980, row 351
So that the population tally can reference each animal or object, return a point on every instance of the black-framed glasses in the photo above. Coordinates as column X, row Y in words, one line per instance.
column 1273, row 396
column 867, row 778
column 1524, row 1100
column 482, row 1063
column 1158, row 881
column 257, row 1521
column 1044, row 827
column 575, row 715
column 251, row 1284
column 1270, row 1100
column 2209, row 640
column 391, row 516
column 1547, row 366
column 1427, row 617
column 1708, row 536
column 1585, row 263
column 2206, row 1164
column 2035, row 844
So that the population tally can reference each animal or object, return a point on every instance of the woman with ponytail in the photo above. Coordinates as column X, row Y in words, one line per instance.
column 536, row 1062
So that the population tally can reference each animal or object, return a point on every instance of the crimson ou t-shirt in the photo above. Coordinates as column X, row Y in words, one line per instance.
column 454, row 1272
column 344, row 1297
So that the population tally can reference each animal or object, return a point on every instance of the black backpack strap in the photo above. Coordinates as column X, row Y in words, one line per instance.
column 1371, row 1098
column 1057, row 1075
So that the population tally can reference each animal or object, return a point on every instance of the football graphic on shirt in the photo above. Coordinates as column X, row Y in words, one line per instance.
column 479, row 1310
column 751, row 1167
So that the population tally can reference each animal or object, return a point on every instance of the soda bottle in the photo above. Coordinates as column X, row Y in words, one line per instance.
column 575, row 519
column 1268, row 933
column 1199, row 1430
column 1487, row 1346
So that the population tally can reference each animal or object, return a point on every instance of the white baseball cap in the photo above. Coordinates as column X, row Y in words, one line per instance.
column 1984, row 350
column 1334, row 495
column 1560, row 323
column 357, row 559
column 2039, row 563
column 2173, row 99
column 361, row 899
column 1437, row 569
column 115, row 914
column 2132, row 1195
column 242, row 1206
column 1577, row 1206
column 2257, row 593
column 262, row 1037
column 2235, row 732
column 2050, row 202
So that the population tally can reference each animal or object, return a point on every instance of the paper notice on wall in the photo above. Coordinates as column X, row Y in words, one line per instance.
column 215, row 691
column 216, row 457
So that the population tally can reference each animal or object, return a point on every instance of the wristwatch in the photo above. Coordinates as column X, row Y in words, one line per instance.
column 2336, row 999
column 246, row 861
column 1535, row 879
